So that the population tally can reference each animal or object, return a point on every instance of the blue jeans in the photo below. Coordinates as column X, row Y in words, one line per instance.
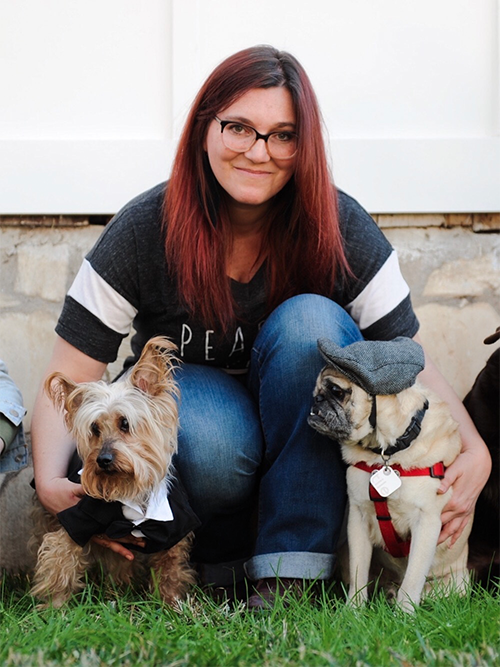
column 268, row 488
column 16, row 457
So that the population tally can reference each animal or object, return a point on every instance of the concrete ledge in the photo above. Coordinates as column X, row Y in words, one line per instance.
column 43, row 221
column 479, row 222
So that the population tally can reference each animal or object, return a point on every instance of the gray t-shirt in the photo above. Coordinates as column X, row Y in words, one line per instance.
column 124, row 283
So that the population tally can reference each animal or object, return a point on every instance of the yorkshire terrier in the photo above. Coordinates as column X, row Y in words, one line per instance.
column 126, row 436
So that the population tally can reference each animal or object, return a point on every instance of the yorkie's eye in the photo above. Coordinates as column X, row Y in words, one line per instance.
column 95, row 429
column 123, row 424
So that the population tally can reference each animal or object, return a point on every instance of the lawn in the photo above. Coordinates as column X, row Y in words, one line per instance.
column 102, row 627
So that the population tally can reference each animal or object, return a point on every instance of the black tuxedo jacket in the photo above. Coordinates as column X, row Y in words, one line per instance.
column 95, row 517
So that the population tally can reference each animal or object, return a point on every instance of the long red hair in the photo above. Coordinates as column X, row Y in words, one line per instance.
column 303, row 245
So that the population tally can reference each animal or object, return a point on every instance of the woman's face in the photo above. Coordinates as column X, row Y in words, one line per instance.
column 254, row 177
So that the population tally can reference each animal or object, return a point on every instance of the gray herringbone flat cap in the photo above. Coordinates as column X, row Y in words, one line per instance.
column 377, row 366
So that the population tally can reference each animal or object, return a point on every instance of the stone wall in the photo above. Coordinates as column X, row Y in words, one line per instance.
column 454, row 276
column 452, row 263
column 37, row 266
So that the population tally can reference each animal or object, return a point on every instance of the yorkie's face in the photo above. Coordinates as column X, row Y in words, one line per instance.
column 126, row 432
column 125, row 442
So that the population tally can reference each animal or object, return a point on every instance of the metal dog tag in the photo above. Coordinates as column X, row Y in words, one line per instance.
column 385, row 481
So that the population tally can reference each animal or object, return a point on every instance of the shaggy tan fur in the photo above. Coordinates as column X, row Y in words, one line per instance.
column 415, row 507
column 134, row 421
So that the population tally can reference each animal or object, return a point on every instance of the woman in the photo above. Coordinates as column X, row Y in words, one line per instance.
column 245, row 260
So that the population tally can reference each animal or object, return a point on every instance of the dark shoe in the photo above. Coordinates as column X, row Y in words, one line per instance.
column 233, row 593
column 267, row 591
column 223, row 582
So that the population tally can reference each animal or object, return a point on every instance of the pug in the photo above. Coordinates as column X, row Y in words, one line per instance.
column 397, row 438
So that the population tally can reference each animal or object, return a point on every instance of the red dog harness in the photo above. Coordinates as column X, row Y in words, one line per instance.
column 394, row 545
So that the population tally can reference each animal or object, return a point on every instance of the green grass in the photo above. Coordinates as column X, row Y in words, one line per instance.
column 101, row 628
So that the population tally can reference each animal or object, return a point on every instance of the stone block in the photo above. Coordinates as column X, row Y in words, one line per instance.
column 453, row 337
column 465, row 277
column 42, row 270
column 388, row 221
column 50, row 221
column 410, row 220
column 486, row 222
column 27, row 342
column 8, row 301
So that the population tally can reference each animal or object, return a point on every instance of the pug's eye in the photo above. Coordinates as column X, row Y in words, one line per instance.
column 337, row 392
column 123, row 425
column 94, row 427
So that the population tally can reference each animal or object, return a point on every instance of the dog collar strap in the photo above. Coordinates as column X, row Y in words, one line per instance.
column 411, row 433
column 437, row 470
column 394, row 545
column 373, row 413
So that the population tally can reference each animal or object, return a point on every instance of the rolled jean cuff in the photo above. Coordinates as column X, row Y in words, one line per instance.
column 221, row 574
column 296, row 565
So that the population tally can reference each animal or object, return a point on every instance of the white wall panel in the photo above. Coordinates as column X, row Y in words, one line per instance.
column 85, row 117
column 85, row 70
column 94, row 94
column 409, row 90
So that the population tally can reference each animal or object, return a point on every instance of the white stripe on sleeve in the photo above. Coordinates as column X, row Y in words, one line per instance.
column 382, row 294
column 98, row 297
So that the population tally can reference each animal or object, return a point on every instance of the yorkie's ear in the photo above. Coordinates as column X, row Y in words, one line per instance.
column 63, row 392
column 153, row 373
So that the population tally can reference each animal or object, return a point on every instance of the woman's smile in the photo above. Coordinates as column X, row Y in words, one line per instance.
column 253, row 172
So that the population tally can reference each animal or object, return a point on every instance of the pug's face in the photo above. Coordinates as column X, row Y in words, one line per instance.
column 340, row 410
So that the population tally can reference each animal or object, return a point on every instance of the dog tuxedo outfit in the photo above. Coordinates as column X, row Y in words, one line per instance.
column 163, row 523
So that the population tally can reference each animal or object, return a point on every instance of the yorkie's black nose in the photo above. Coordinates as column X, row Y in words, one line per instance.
column 104, row 460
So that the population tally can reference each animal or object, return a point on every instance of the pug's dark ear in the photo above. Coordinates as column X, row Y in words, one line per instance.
column 493, row 337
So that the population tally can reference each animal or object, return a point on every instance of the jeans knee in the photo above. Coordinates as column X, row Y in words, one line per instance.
column 220, row 475
column 297, row 323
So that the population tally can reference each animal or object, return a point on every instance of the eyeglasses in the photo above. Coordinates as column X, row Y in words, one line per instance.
column 240, row 138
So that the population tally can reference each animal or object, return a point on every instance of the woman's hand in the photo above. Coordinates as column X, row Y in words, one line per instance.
column 117, row 546
column 467, row 474
column 59, row 494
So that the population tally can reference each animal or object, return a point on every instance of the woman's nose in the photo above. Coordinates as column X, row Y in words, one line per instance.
column 258, row 152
